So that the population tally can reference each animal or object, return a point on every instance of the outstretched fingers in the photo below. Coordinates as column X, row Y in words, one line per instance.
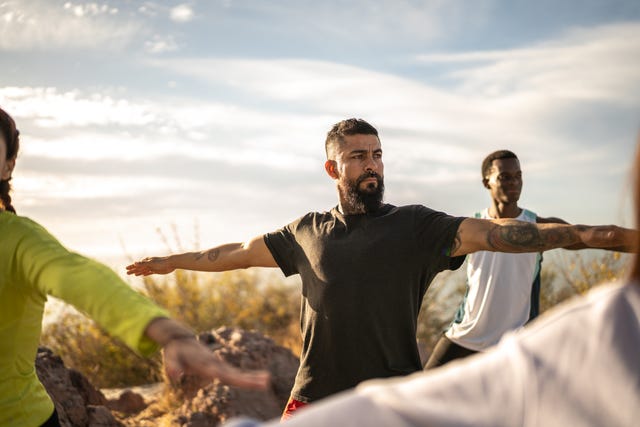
column 138, row 268
column 230, row 375
column 147, row 266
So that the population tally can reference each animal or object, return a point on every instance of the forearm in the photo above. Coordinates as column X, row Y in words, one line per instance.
column 513, row 236
column 516, row 236
column 220, row 258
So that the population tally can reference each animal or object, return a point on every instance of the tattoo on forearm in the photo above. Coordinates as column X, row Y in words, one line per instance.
column 527, row 237
column 213, row 254
column 520, row 235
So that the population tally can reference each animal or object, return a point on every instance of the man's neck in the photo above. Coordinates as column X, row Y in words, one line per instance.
column 348, row 209
column 504, row 210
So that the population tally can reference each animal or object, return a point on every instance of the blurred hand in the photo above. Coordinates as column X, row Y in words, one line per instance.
column 189, row 356
column 184, row 355
column 152, row 265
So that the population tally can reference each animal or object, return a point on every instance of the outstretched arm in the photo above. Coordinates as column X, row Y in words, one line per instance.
column 581, row 245
column 184, row 354
column 43, row 264
column 508, row 235
column 231, row 256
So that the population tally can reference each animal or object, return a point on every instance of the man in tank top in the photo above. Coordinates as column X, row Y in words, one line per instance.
column 503, row 289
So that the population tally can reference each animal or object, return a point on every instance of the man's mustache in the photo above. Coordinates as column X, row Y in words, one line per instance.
column 366, row 175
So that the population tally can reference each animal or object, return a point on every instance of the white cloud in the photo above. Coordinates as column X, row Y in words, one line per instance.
column 40, row 24
column 181, row 13
column 50, row 108
column 90, row 126
column 90, row 9
column 367, row 24
column 161, row 44
column 513, row 98
column 597, row 64
column 41, row 188
column 338, row 91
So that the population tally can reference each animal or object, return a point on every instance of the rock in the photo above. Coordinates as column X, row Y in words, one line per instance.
column 76, row 400
column 190, row 403
column 215, row 402
column 90, row 394
column 101, row 416
column 128, row 403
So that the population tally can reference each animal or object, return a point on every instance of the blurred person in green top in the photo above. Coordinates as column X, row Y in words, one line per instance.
column 33, row 265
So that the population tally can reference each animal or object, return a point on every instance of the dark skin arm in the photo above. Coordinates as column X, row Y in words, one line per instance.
column 512, row 236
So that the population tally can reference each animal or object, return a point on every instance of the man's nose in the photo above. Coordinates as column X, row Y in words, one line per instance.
column 369, row 164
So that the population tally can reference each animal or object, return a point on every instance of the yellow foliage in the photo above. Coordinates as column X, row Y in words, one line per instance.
column 105, row 361
column 247, row 299
column 585, row 272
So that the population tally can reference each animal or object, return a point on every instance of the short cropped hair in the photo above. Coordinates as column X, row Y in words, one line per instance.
column 347, row 127
column 496, row 155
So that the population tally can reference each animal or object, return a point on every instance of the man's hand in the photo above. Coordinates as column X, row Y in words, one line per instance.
column 152, row 265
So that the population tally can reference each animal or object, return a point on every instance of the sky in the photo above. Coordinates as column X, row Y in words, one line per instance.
column 206, row 120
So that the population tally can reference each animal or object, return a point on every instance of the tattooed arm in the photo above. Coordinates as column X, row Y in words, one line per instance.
column 508, row 235
column 231, row 256
column 581, row 245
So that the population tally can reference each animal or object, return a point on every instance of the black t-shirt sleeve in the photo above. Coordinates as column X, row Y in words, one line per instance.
column 436, row 232
column 282, row 244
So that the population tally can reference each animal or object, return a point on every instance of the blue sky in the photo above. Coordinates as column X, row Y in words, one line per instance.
column 212, row 114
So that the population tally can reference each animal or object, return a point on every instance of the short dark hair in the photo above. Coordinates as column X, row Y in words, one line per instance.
column 496, row 155
column 347, row 127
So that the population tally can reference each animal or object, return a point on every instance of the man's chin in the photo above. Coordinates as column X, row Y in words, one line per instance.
column 369, row 188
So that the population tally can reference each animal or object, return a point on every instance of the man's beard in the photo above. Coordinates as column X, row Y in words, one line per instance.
column 367, row 200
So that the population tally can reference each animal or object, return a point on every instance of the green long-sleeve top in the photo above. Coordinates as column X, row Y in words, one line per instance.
column 33, row 264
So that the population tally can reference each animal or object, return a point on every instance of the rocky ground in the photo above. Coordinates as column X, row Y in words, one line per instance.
column 188, row 404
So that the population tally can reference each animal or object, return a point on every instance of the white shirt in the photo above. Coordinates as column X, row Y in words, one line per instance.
column 498, row 297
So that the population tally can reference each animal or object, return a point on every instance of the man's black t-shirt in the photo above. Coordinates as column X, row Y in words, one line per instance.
column 363, row 279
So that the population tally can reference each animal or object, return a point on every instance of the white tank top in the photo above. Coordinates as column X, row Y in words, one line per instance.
column 498, row 296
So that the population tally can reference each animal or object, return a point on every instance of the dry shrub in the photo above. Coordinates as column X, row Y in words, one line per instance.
column 575, row 273
column 439, row 306
column 248, row 299
column 107, row 362
column 251, row 300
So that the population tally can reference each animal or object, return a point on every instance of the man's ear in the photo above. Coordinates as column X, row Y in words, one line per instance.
column 485, row 182
column 8, row 168
column 331, row 167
